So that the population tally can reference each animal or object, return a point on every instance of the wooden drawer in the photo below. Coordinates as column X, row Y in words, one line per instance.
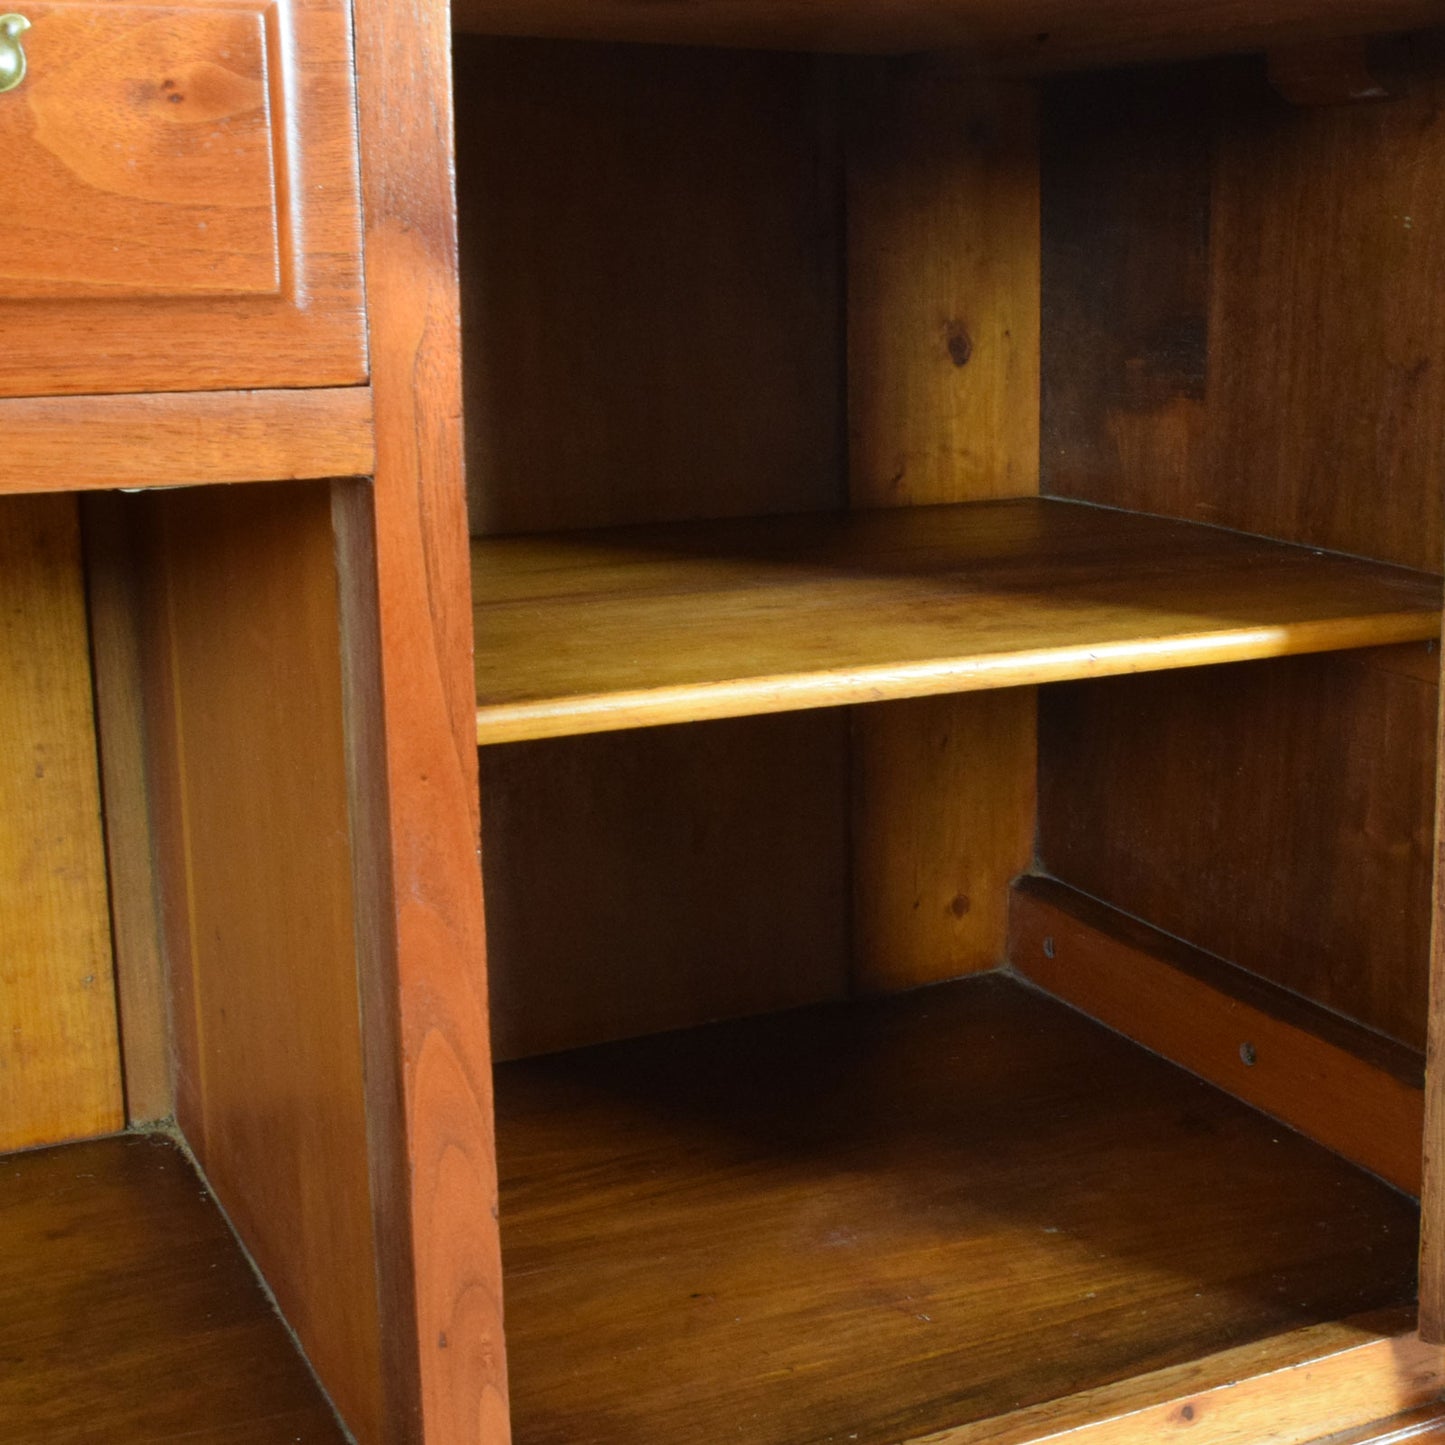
column 179, row 203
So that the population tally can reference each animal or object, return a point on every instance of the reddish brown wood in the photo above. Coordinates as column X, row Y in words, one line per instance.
column 443, row 1231
column 94, row 442
column 1352, row 1091
column 269, row 1057
column 128, row 1313
column 180, row 208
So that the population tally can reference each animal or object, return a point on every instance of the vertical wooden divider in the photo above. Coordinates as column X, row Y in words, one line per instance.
column 444, row 1223
column 943, row 406
column 255, row 831
column 116, row 650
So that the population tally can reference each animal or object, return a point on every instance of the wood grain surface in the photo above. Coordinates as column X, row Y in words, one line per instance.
column 589, row 632
column 943, row 377
column 128, row 1312
column 269, row 1058
column 434, row 1162
column 113, row 567
column 1209, row 356
column 1017, row 34
column 85, row 443
column 182, row 211
column 651, row 881
column 885, row 1219
column 141, row 149
column 59, row 1053
column 650, row 336
column 1351, row 1090
column 1311, row 861
column 1282, row 1392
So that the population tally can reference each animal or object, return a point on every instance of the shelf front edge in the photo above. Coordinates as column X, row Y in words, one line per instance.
column 506, row 722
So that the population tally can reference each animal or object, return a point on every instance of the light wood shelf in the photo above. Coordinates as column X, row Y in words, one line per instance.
column 129, row 1313
column 592, row 631
column 873, row 1221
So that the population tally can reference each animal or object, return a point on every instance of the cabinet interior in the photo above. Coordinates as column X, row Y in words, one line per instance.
column 858, row 449
column 956, row 548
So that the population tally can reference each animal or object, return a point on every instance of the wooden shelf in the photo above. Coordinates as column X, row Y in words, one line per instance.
column 1016, row 34
column 868, row 1222
column 587, row 632
column 128, row 1313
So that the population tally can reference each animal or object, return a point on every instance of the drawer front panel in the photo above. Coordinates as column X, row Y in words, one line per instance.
column 178, row 199
column 141, row 156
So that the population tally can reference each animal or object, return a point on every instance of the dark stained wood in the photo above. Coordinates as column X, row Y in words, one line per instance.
column 651, row 294
column 1017, row 34
column 433, row 1158
column 1351, row 1090
column 1275, row 814
column 183, row 210
column 269, row 1058
column 1242, row 317
column 1328, row 72
column 1432, row 1222
column 587, row 632
column 637, row 883
column 876, row 1220
column 129, row 1313
column 652, row 334
column 56, row 444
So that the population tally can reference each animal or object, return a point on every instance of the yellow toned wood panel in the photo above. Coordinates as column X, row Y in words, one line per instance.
column 943, row 822
column 943, row 288
column 270, row 1087
column 59, row 1052
column 594, row 631
column 1282, row 1392
column 943, row 406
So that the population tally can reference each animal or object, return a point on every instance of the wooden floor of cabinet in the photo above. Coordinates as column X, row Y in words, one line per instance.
column 873, row 1221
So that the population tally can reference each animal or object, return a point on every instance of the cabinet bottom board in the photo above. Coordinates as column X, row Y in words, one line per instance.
column 129, row 1313
column 872, row 1221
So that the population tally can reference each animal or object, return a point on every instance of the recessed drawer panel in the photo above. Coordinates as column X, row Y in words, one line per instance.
column 178, row 198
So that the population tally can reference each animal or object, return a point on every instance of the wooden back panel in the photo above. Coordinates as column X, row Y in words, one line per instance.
column 652, row 317
column 59, row 1052
column 1243, row 325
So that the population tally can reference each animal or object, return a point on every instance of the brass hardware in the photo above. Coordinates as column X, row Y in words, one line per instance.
column 12, row 56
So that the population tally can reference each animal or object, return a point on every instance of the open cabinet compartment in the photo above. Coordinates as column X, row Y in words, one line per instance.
column 912, row 406
column 175, row 677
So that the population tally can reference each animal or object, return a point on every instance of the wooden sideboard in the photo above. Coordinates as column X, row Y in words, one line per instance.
column 951, row 527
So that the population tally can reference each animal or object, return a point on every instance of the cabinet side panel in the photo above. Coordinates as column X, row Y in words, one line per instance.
column 943, row 384
column 270, row 1087
column 1243, row 325
column 59, row 1051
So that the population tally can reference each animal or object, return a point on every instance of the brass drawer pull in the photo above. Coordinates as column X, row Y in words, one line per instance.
column 12, row 55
